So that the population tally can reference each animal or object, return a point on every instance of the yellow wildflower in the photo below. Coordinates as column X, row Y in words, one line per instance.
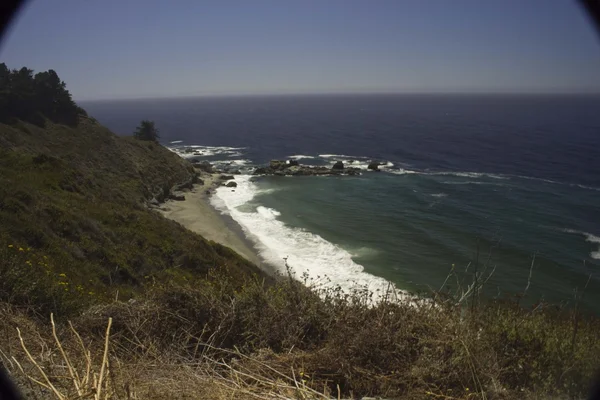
column 21, row 249
column 10, row 246
column 62, row 275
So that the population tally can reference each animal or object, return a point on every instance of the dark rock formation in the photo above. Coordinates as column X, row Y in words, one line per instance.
column 373, row 166
column 184, row 186
column 293, row 168
column 231, row 184
column 226, row 177
column 338, row 165
column 277, row 164
column 204, row 166
column 177, row 197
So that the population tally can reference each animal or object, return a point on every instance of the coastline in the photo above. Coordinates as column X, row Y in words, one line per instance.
column 199, row 216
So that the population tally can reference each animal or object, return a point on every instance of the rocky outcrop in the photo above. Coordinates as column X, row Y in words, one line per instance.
column 277, row 164
column 174, row 192
column 338, row 165
column 231, row 184
column 226, row 177
column 203, row 166
column 374, row 166
column 293, row 168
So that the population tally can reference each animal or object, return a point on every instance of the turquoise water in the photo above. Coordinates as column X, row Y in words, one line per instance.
column 411, row 228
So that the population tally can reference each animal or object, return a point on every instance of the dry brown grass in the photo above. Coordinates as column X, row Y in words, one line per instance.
column 69, row 368
column 215, row 340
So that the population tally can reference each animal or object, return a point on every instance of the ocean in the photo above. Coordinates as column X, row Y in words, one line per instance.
column 494, row 182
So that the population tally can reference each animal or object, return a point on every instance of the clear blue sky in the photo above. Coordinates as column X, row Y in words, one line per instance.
column 143, row 48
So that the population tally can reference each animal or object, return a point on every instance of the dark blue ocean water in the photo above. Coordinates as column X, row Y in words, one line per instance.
column 512, row 176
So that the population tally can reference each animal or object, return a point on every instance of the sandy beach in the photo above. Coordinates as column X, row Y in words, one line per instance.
column 196, row 214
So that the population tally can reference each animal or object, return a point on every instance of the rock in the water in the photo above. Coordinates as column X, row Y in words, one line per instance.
column 338, row 165
column 204, row 166
column 208, row 192
column 374, row 166
column 231, row 184
column 226, row 177
column 292, row 163
column 277, row 164
column 261, row 171
column 177, row 197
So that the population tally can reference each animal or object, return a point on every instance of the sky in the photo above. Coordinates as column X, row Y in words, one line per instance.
column 117, row 49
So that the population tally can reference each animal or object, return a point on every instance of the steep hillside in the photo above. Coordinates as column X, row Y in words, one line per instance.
column 73, row 218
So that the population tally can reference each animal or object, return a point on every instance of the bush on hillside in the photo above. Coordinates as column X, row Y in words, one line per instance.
column 146, row 131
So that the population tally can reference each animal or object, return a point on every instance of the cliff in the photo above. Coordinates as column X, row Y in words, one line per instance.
column 74, row 199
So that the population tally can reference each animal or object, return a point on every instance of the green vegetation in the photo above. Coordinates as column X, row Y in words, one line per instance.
column 34, row 98
column 146, row 131
column 192, row 319
column 76, row 199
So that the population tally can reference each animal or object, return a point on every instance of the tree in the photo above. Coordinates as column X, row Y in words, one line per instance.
column 30, row 98
column 146, row 131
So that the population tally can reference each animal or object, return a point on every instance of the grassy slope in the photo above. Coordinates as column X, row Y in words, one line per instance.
column 73, row 200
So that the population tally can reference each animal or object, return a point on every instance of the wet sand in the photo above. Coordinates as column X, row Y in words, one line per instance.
column 197, row 215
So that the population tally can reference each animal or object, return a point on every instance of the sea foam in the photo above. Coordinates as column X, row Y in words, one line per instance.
column 303, row 251
column 588, row 238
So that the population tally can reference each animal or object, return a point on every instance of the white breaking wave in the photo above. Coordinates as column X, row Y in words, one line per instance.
column 236, row 163
column 303, row 250
column 531, row 178
column 206, row 151
column 402, row 171
column 300, row 157
column 176, row 141
column 362, row 164
column 473, row 183
column 468, row 174
column 342, row 156
column 588, row 238
column 587, row 187
column 439, row 195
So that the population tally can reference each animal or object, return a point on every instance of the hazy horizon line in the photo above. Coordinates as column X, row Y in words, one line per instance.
column 374, row 93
